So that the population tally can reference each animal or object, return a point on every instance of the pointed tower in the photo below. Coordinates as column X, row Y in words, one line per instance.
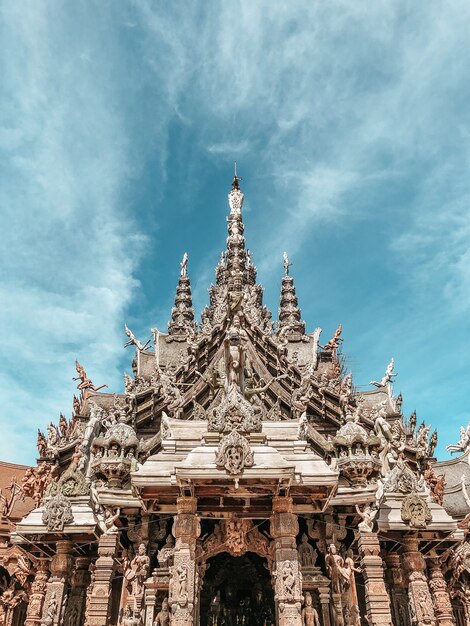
column 290, row 321
column 182, row 314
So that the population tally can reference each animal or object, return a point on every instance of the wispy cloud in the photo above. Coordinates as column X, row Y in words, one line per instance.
column 351, row 127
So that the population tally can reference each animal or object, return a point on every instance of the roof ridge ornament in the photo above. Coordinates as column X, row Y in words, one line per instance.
column 182, row 322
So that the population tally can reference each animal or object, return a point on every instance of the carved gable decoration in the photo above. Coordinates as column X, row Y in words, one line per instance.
column 57, row 513
column 415, row 511
column 71, row 483
column 234, row 413
column 401, row 479
column 234, row 453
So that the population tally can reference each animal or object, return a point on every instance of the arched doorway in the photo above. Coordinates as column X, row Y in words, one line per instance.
column 237, row 590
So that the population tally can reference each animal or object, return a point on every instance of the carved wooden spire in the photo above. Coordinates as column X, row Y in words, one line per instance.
column 182, row 314
column 289, row 312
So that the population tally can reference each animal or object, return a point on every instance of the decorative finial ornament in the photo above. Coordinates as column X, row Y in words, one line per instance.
column 287, row 264
column 184, row 265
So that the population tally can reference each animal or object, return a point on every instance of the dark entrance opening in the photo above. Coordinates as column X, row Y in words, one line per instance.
column 237, row 591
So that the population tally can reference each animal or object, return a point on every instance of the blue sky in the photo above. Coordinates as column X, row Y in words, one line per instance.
column 119, row 125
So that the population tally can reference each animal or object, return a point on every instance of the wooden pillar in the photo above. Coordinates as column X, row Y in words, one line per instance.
column 183, row 583
column 324, row 596
column 284, row 528
column 397, row 590
column 440, row 595
column 99, row 599
column 414, row 565
column 58, row 586
column 38, row 593
column 377, row 600
column 76, row 603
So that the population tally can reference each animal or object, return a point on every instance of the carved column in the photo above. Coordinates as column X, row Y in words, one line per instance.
column 57, row 588
column 183, row 583
column 440, row 595
column 324, row 596
column 397, row 590
column 76, row 603
column 377, row 600
column 99, row 600
column 38, row 593
column 284, row 528
column 414, row 564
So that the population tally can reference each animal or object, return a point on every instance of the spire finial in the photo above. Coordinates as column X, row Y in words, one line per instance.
column 182, row 314
column 287, row 264
column 236, row 179
column 184, row 265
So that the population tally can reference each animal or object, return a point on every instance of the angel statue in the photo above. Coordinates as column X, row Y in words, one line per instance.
column 388, row 377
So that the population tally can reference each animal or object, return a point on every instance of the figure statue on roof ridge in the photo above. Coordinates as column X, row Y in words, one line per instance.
column 464, row 442
column 184, row 265
column 334, row 343
column 133, row 340
column 387, row 378
column 85, row 383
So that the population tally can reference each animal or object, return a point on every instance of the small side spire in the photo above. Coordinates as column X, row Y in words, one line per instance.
column 182, row 314
column 290, row 321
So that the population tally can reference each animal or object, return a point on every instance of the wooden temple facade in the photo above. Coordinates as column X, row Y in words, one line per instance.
column 240, row 479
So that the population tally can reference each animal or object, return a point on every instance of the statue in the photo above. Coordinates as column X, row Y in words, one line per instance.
column 288, row 580
column 184, row 265
column 234, row 357
column 307, row 555
column 63, row 426
column 384, row 432
column 181, row 584
column 286, row 264
column 309, row 613
column 388, row 377
column 85, row 383
column 41, row 444
column 334, row 343
column 338, row 574
column 163, row 616
column 133, row 340
column 368, row 515
column 463, row 443
column 136, row 571
column 110, row 517
column 432, row 443
column 412, row 422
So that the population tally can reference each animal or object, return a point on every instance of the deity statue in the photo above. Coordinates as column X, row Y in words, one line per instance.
column 334, row 343
column 136, row 571
column 85, row 383
column 368, row 515
column 132, row 340
column 184, row 265
column 388, row 377
column 309, row 613
column 307, row 555
column 463, row 443
column 41, row 444
column 163, row 616
column 286, row 264
column 234, row 357
column 338, row 574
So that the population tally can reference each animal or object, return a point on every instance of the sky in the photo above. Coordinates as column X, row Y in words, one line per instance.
column 119, row 126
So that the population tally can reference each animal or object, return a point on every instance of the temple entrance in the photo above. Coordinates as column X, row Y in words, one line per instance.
column 237, row 591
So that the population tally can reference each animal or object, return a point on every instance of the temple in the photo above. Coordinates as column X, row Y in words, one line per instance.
column 239, row 479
